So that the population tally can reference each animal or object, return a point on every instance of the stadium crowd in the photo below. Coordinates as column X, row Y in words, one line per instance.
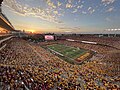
column 25, row 65
column 95, row 48
column 111, row 41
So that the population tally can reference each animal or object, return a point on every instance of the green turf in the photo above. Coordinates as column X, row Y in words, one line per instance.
column 67, row 51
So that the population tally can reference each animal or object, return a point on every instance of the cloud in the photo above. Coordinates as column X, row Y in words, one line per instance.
column 110, row 9
column 59, row 4
column 69, row 5
column 51, row 4
column 91, row 10
column 69, row 28
column 108, row 19
column 70, row 1
column 68, row 31
column 53, row 9
column 55, row 12
column 79, row 0
column 80, row 6
column 75, row 11
column 83, row 12
column 105, row 2
column 25, row 10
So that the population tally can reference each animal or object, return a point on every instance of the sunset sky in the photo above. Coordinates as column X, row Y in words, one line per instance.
column 64, row 16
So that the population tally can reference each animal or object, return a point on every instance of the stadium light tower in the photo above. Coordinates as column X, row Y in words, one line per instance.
column 0, row 6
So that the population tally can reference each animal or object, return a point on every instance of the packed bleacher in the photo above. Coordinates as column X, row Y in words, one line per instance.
column 2, row 36
column 111, row 41
column 103, row 54
column 25, row 65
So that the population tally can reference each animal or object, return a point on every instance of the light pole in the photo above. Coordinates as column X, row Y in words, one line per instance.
column 0, row 6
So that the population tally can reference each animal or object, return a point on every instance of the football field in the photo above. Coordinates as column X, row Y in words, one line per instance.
column 70, row 53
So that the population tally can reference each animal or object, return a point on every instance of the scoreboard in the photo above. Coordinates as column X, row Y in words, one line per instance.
column 49, row 37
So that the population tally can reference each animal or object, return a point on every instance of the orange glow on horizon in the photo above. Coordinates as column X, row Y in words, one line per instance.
column 31, row 31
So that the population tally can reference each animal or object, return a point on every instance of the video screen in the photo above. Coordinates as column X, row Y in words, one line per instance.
column 49, row 37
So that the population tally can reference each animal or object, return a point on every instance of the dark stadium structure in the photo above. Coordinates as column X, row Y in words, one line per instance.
column 6, row 29
column 0, row 5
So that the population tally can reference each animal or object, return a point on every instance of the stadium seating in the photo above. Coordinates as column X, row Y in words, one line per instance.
column 26, row 65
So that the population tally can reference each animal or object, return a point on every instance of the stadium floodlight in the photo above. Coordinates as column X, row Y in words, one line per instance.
column 1, row 2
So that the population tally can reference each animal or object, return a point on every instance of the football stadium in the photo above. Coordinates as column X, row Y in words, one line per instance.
column 59, row 45
column 70, row 54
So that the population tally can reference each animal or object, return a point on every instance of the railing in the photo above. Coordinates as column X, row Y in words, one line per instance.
column 2, row 42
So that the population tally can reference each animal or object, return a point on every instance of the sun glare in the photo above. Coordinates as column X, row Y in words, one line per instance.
column 31, row 31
